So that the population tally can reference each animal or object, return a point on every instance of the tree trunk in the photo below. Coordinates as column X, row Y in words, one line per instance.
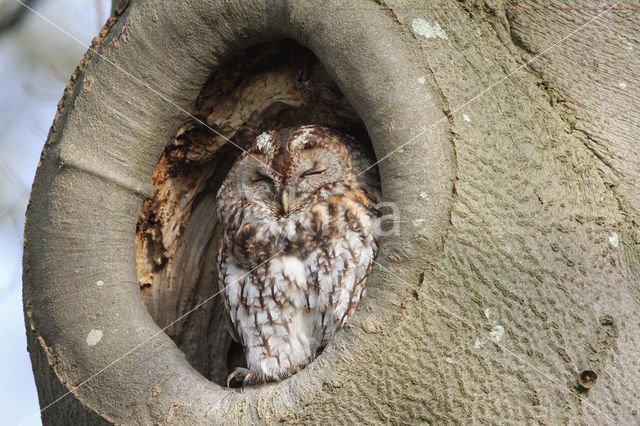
column 507, row 140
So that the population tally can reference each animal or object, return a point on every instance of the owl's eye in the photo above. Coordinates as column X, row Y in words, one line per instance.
column 312, row 172
column 261, row 178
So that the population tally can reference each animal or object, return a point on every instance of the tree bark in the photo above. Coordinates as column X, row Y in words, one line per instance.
column 507, row 138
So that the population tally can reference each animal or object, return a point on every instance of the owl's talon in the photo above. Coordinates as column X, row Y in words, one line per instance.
column 242, row 374
column 239, row 372
column 249, row 379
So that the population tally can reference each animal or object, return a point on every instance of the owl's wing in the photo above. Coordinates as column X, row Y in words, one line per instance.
column 228, row 281
column 342, row 272
column 232, row 328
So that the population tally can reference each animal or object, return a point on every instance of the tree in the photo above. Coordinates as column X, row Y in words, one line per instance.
column 506, row 135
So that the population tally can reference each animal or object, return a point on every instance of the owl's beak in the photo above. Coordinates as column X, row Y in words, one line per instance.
column 285, row 201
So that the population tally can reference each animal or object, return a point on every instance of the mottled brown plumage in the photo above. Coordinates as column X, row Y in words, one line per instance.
column 298, row 244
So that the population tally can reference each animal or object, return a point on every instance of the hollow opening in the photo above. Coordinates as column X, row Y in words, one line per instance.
column 266, row 87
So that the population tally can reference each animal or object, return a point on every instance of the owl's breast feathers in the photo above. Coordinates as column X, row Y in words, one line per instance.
column 291, row 305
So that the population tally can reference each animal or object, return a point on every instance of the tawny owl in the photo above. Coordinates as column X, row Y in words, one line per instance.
column 298, row 244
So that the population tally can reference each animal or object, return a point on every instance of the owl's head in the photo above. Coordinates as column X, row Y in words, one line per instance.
column 286, row 171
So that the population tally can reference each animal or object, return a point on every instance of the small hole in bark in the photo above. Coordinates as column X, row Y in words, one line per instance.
column 266, row 87
column 587, row 379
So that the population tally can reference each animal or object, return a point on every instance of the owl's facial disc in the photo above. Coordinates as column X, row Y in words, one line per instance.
column 314, row 169
column 290, row 180
column 289, row 193
column 258, row 185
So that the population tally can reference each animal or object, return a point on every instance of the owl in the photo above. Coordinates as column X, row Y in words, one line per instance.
column 298, row 243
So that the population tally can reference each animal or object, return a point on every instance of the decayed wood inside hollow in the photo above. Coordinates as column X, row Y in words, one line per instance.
column 270, row 86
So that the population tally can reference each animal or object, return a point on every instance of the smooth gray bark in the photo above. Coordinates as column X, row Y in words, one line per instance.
column 518, row 259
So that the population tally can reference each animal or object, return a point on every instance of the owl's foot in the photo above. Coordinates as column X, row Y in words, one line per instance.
column 244, row 374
